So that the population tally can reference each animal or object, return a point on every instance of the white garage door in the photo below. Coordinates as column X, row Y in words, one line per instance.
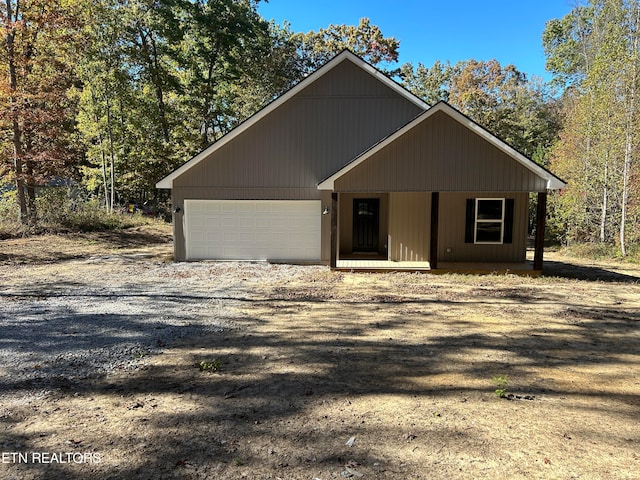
column 252, row 230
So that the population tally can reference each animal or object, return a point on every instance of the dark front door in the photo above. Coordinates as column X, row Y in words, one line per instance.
column 366, row 224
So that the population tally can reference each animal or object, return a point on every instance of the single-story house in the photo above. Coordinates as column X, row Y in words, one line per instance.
column 351, row 170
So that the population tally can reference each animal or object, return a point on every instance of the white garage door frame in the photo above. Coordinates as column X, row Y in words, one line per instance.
column 258, row 230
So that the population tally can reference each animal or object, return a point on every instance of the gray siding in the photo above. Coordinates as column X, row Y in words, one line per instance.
column 452, row 227
column 308, row 138
column 440, row 154
column 409, row 227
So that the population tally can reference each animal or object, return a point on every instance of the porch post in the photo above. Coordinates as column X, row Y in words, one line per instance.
column 334, row 230
column 433, row 249
column 541, row 215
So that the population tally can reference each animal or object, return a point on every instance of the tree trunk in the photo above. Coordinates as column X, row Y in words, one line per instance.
column 605, row 202
column 625, row 193
column 159, row 93
column 103, row 157
column 111, row 155
column 16, row 132
column 150, row 52
column 32, row 213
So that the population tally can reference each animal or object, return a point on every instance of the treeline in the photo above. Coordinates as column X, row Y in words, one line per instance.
column 594, row 54
column 115, row 94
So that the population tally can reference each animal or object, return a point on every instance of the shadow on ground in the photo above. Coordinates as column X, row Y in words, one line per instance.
column 275, row 372
column 586, row 272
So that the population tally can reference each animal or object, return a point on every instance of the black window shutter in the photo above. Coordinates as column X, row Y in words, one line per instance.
column 470, row 220
column 508, row 221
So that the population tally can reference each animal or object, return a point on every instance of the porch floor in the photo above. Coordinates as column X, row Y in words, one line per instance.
column 377, row 264
column 380, row 264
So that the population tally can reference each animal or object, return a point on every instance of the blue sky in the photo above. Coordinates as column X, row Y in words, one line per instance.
column 508, row 30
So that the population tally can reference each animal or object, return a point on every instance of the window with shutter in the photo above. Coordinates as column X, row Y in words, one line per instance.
column 489, row 220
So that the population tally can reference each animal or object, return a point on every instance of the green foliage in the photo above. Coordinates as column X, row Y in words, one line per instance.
column 601, row 251
column 10, row 224
column 502, row 382
column 519, row 110
column 208, row 365
column 563, row 41
column 66, row 209
column 62, row 209
column 432, row 84
column 595, row 50
column 365, row 40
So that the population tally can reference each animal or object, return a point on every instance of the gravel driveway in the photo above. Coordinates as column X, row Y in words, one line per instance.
column 57, row 330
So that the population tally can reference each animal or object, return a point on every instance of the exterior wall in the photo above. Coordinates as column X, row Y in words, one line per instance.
column 345, row 220
column 325, row 226
column 289, row 151
column 440, row 154
column 409, row 226
column 306, row 139
column 452, row 230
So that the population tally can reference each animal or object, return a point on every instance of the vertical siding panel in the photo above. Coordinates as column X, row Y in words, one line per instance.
column 409, row 226
column 434, row 154
column 440, row 154
column 467, row 155
column 452, row 230
column 308, row 138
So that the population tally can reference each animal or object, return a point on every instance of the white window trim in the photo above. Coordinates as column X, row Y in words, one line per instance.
column 495, row 220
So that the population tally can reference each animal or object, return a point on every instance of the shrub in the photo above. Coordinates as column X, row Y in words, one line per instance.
column 602, row 251
column 10, row 225
column 63, row 209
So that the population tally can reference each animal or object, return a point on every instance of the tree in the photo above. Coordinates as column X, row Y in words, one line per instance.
column 520, row 111
column 224, row 43
column 160, row 84
column 106, row 82
column 365, row 40
column 41, row 43
column 268, row 75
column 432, row 84
column 595, row 50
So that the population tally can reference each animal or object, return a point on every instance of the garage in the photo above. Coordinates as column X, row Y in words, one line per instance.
column 273, row 230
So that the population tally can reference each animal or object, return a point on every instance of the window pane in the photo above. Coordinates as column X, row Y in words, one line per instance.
column 489, row 232
column 364, row 208
column 489, row 210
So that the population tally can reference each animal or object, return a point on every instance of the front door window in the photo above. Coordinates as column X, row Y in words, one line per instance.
column 366, row 224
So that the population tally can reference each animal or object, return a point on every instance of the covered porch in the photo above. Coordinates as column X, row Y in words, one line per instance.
column 420, row 232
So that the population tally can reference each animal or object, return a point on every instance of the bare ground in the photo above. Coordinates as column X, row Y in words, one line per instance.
column 326, row 375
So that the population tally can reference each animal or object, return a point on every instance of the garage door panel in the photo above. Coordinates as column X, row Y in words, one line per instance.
column 252, row 230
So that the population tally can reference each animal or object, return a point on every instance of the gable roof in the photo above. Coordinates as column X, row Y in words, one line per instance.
column 345, row 55
column 553, row 182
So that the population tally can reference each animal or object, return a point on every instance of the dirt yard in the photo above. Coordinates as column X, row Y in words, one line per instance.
column 304, row 373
